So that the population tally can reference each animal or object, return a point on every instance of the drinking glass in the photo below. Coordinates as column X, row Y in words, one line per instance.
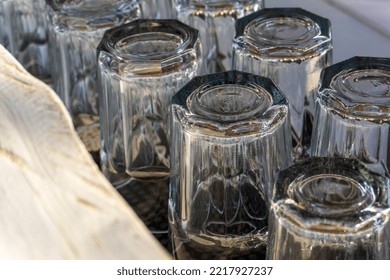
column 230, row 137
column 215, row 21
column 353, row 112
column 291, row 46
column 142, row 64
column 329, row 208
column 24, row 33
column 76, row 28
column 157, row 9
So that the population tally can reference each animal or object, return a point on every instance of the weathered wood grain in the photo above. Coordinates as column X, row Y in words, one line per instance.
column 54, row 202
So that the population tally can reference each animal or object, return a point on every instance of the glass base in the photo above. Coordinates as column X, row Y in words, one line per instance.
column 196, row 251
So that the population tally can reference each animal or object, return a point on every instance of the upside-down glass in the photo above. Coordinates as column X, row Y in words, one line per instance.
column 353, row 112
column 291, row 46
column 215, row 21
column 76, row 28
column 24, row 33
column 332, row 209
column 230, row 137
column 141, row 66
column 157, row 9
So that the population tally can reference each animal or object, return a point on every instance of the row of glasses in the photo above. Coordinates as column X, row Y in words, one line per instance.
column 133, row 60
column 229, row 132
column 211, row 210
column 76, row 28
column 73, row 35
column 56, row 41
column 338, row 207
column 220, row 209
column 320, row 208
column 323, row 214
column 25, row 29
column 141, row 66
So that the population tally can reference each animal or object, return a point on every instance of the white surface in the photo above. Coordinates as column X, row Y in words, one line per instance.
column 359, row 27
column 374, row 13
column 54, row 202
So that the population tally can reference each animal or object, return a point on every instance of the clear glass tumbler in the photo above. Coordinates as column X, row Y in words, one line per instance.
column 24, row 33
column 329, row 209
column 353, row 112
column 141, row 66
column 230, row 137
column 157, row 9
column 291, row 46
column 76, row 28
column 215, row 21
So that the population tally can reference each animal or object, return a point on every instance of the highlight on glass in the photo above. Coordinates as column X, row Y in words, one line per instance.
column 75, row 30
column 291, row 46
column 353, row 112
column 157, row 9
column 230, row 137
column 24, row 33
column 142, row 64
column 329, row 209
column 215, row 21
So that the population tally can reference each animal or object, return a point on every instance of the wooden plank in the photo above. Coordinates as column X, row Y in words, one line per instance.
column 54, row 202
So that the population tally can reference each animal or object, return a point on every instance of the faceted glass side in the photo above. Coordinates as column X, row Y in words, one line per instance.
column 330, row 209
column 231, row 137
column 24, row 31
column 141, row 66
column 76, row 28
column 157, row 9
column 215, row 21
column 353, row 112
column 290, row 46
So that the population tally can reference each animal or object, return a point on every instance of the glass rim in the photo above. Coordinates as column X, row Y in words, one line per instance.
column 99, row 17
column 269, row 111
column 199, row 101
column 87, row 10
column 229, row 77
column 339, row 88
column 314, row 38
column 366, row 189
column 169, row 28
column 217, row 5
